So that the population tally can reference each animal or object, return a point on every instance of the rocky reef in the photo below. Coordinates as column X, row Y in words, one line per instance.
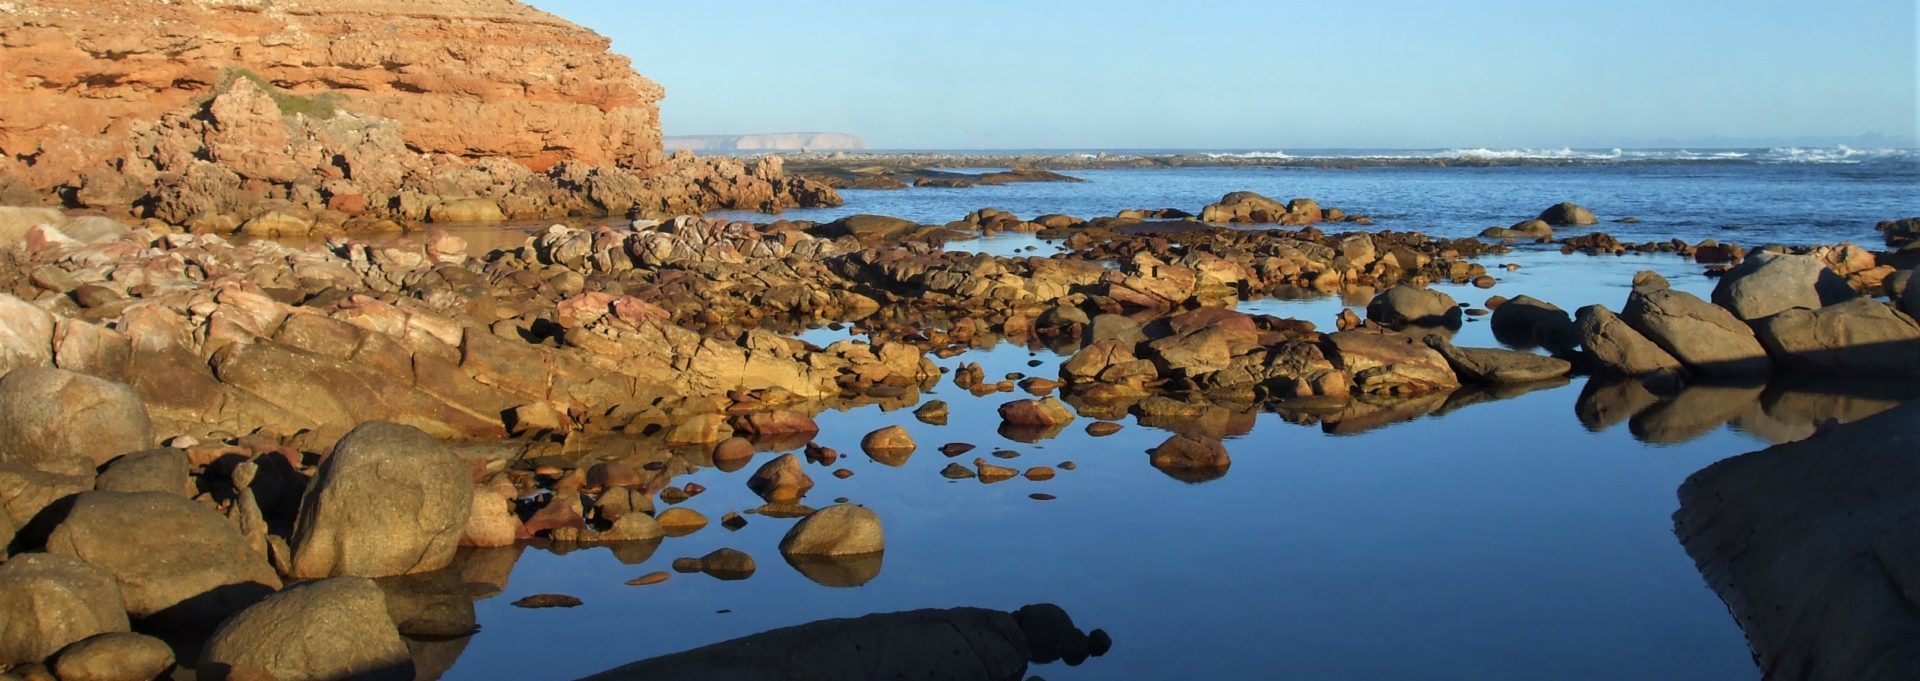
column 342, row 114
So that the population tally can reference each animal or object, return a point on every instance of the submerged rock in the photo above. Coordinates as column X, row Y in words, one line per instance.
column 838, row 530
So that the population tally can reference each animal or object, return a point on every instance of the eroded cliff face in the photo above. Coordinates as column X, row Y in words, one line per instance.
column 204, row 109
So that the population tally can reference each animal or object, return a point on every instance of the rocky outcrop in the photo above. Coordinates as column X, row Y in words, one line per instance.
column 173, row 558
column 1703, row 336
column 1252, row 208
column 1769, row 283
column 1568, row 214
column 1811, row 546
column 63, row 422
column 1863, row 337
column 342, row 111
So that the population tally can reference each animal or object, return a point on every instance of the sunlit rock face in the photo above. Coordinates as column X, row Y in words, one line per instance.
column 469, row 78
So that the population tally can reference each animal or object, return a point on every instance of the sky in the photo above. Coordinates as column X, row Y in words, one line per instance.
column 1247, row 74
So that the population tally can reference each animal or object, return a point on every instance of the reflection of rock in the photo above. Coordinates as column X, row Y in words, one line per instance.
column 1812, row 547
column 959, row 644
column 1696, row 411
column 1796, row 409
column 837, row 571
column 1030, row 434
column 1605, row 402
column 1484, row 393
column 1370, row 412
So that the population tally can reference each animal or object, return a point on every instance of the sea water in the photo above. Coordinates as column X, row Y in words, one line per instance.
column 1520, row 538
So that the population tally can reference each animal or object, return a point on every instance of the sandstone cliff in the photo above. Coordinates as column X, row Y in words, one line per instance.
column 197, row 109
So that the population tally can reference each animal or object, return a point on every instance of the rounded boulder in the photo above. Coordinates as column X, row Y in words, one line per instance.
column 390, row 500
column 62, row 422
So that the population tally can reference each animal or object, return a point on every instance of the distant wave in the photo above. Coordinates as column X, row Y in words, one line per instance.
column 1839, row 154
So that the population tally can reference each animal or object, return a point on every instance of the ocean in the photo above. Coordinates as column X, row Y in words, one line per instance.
column 1514, row 536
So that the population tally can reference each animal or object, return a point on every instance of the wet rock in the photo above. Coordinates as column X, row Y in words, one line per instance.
column 838, row 530
column 727, row 564
column 733, row 521
column 540, row 601
column 119, row 656
column 679, row 522
column 1815, row 560
column 1386, row 362
column 1186, row 456
column 782, row 479
column 1769, row 283
column 733, row 451
column 1862, row 337
column 649, row 579
column 1103, row 428
column 1530, row 322
column 1493, row 366
column 173, row 558
column 990, row 473
column 465, row 210
column 955, row 471
column 389, row 500
column 1616, row 347
column 608, row 474
column 1403, row 306
column 1703, row 336
column 961, row 644
column 341, row 625
column 1042, row 412
column 154, row 470
column 1039, row 473
column 1568, row 214
column 1251, row 208
column 51, row 601
column 62, row 422
column 934, row 412
column 891, row 445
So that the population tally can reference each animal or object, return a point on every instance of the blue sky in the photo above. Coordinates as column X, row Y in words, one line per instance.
column 1278, row 75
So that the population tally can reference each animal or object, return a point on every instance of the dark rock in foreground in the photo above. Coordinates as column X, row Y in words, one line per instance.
column 1811, row 545
column 959, row 644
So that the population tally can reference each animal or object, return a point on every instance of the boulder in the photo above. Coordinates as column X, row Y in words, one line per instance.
column 334, row 628
column 26, row 334
column 1527, row 321
column 154, row 470
column 1043, row 412
column 1388, row 362
column 1568, row 214
column 838, row 530
column 1252, row 208
column 1703, row 336
column 1405, row 305
column 1862, row 337
column 782, row 479
column 1768, row 283
column 172, row 557
column 50, row 601
column 1498, row 367
column 1811, row 546
column 868, row 229
column 118, row 656
column 891, row 445
column 1616, row 348
column 388, row 501
column 63, row 422
column 1183, row 452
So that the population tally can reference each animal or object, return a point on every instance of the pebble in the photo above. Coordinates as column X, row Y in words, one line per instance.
column 1484, row 282
column 649, row 579
column 955, row 471
column 991, row 473
column 843, row 473
column 1103, row 428
column 1041, row 496
column 732, row 521
column 1039, row 473
column 686, row 565
column 1005, row 454
column 694, row 489
column 679, row 522
column 955, row 448
column 1068, row 465
column 673, row 495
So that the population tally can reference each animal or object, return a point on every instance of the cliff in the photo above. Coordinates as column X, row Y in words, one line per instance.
column 786, row 141
column 194, row 108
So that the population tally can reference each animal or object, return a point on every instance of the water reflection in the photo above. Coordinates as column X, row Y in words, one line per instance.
column 1785, row 410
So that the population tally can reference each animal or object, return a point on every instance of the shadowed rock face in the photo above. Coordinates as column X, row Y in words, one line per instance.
column 1811, row 545
column 957, row 644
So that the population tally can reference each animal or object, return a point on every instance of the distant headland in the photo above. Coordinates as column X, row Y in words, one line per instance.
column 783, row 141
